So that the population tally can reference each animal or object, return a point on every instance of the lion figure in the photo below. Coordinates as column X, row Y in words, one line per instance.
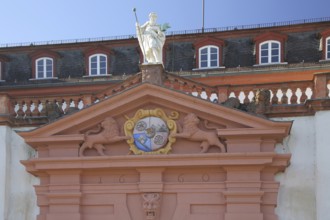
column 191, row 132
column 106, row 132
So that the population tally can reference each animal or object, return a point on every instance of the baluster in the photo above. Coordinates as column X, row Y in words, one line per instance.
column 214, row 97
column 34, row 108
column 251, row 96
column 284, row 99
column 246, row 100
column 64, row 106
column 96, row 100
column 194, row 91
column 303, row 96
column 72, row 106
column 71, row 103
column 199, row 91
column 39, row 107
column 42, row 107
column 241, row 96
column 18, row 110
column 275, row 98
column 58, row 104
column 28, row 112
column 309, row 92
column 294, row 97
column 24, row 108
column 186, row 88
column 78, row 100
column 80, row 104
column 203, row 94
column 298, row 94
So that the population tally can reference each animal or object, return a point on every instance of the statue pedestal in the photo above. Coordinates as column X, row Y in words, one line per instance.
column 153, row 73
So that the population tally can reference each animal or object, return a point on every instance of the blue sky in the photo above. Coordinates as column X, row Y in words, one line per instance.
column 46, row 20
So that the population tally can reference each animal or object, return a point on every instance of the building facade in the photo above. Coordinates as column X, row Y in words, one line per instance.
column 256, row 96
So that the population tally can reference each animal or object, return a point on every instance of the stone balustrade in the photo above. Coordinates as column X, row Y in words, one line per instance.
column 286, row 96
column 283, row 93
column 191, row 87
column 29, row 107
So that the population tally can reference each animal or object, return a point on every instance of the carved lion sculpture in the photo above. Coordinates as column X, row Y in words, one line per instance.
column 191, row 132
column 107, row 132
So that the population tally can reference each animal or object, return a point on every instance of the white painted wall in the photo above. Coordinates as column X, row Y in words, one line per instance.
column 296, row 199
column 322, row 128
column 17, row 195
column 4, row 169
column 305, row 186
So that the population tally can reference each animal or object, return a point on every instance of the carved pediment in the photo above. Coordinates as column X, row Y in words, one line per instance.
column 102, row 129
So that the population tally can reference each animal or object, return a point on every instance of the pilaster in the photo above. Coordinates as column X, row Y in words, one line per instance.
column 4, row 109
column 4, row 170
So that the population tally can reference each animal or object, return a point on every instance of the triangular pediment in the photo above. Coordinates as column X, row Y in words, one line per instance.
column 228, row 123
column 151, row 96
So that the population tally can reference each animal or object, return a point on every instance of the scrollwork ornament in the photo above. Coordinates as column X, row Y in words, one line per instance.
column 205, row 177
column 122, row 179
column 181, row 178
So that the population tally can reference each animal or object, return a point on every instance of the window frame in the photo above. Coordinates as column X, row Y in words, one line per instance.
column 39, row 55
column 268, row 37
column 269, row 52
column 209, row 54
column 98, row 63
column 44, row 71
column 208, row 43
column 327, row 48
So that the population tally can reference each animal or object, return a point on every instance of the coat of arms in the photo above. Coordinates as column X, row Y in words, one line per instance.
column 150, row 131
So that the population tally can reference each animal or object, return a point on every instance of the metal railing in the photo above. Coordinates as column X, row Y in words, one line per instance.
column 171, row 33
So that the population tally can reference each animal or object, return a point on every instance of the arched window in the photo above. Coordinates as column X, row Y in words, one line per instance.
column 327, row 50
column 43, row 64
column 44, row 68
column 97, row 64
column 270, row 48
column 209, row 53
column 270, row 52
column 208, row 56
